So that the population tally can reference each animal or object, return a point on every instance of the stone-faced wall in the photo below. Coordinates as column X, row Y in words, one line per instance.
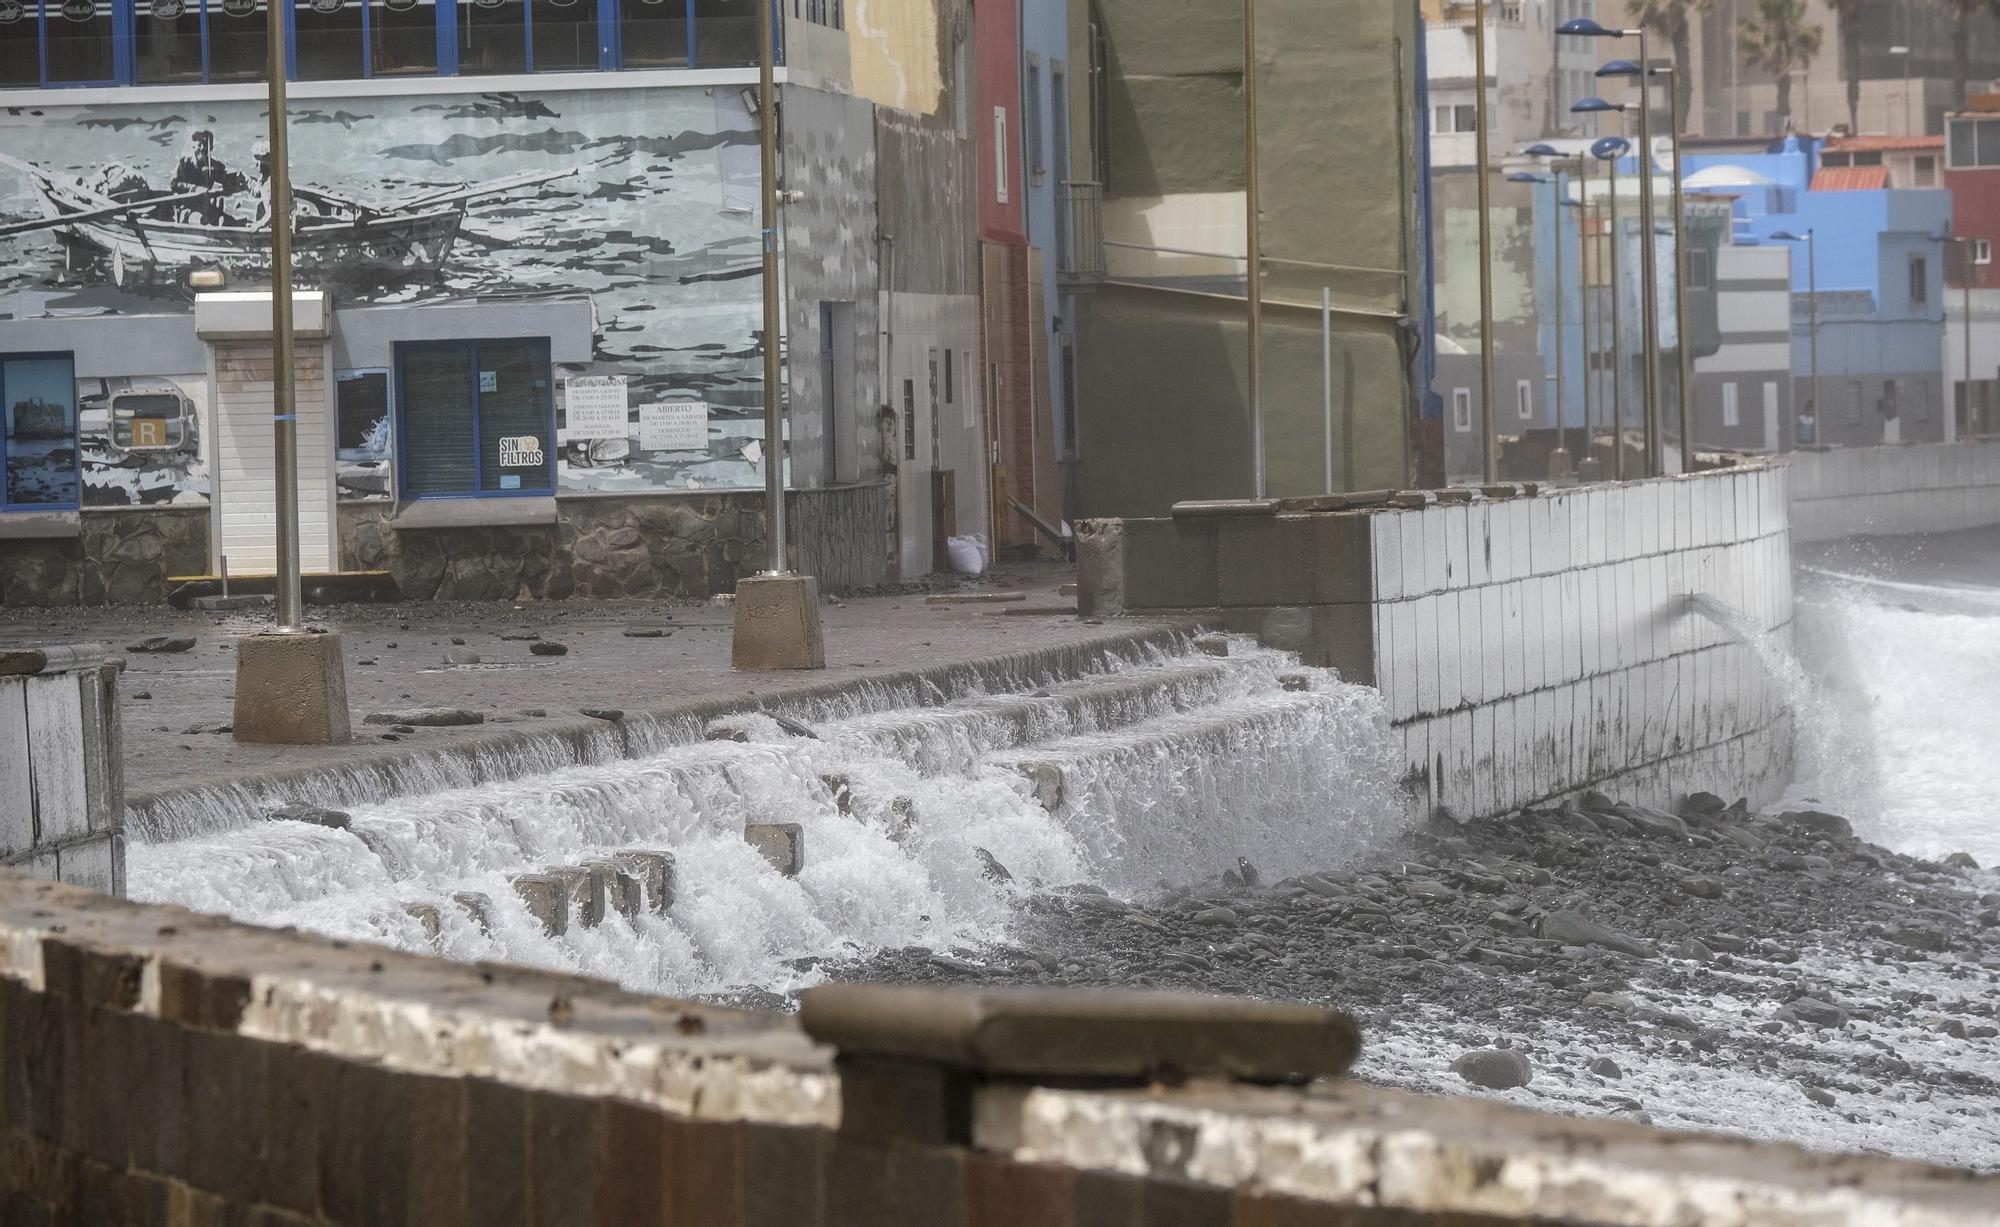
column 677, row 545
column 1528, row 646
column 119, row 557
column 158, row 1066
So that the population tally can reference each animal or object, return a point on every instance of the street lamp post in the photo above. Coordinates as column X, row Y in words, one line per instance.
column 1608, row 150
column 777, row 622
column 1812, row 299
column 1253, row 241
column 1587, row 463
column 1584, row 27
column 284, row 384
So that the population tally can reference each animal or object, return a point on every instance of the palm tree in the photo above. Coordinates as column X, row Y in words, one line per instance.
column 1675, row 19
column 1779, row 40
column 1847, row 16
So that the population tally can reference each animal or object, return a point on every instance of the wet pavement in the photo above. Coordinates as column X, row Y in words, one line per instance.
column 636, row 655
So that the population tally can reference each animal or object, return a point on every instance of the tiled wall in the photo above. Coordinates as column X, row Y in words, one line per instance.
column 1531, row 647
column 1528, row 644
column 62, row 797
column 1888, row 491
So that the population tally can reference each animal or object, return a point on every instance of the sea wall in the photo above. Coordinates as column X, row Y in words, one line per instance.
column 162, row 1066
column 1892, row 491
column 1529, row 643
column 62, row 795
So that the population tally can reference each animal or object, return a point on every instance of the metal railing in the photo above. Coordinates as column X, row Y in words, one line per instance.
column 1080, row 232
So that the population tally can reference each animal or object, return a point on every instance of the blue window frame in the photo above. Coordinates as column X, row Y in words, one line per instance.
column 63, row 44
column 474, row 419
column 38, row 433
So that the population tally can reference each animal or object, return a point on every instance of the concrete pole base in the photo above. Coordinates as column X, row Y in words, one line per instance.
column 291, row 690
column 777, row 623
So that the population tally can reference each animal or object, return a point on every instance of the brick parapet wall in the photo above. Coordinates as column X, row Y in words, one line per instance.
column 1527, row 646
column 158, row 1066
column 1891, row 491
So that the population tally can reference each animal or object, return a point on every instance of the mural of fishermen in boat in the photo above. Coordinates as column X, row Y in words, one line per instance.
column 641, row 201
column 140, row 440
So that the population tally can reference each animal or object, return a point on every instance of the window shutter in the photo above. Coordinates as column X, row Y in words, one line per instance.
column 436, row 401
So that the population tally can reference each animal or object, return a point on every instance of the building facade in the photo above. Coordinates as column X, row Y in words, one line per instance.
column 527, row 245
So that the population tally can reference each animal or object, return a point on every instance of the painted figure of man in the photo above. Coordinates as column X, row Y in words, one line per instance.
column 198, row 170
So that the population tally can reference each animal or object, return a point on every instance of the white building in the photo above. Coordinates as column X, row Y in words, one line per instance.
column 1533, row 75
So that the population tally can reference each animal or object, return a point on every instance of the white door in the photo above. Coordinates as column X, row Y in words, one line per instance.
column 244, row 452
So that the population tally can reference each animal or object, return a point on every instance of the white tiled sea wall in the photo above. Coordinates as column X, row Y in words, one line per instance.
column 1530, row 648
column 1891, row 491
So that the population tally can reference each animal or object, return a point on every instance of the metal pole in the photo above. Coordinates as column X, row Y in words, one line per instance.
column 774, row 427
column 284, row 392
column 1253, row 243
column 1489, row 433
column 1617, row 343
column 1968, row 340
column 1649, row 271
column 1812, row 296
column 1587, row 302
column 1326, row 373
column 1686, row 351
column 1556, row 228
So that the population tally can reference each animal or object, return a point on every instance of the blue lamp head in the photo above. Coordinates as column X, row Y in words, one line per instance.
column 1619, row 68
column 1592, row 105
column 1541, row 150
column 1584, row 27
column 1610, row 148
column 1524, row 176
column 1785, row 236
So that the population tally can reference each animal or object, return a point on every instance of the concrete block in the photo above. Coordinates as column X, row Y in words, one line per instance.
column 1438, row 574
column 1418, row 529
column 546, row 899
column 291, row 689
column 56, row 754
column 1263, row 560
column 622, row 891
column 90, row 863
column 1286, row 628
column 1410, row 661
column 1493, row 642
column 655, row 871
column 1472, row 526
column 477, row 906
column 1519, row 518
column 1514, row 653
column 1343, row 559
column 17, row 815
column 585, row 892
column 1534, row 633
column 1343, row 639
column 777, row 624
column 1449, row 661
column 781, row 843
column 1426, row 610
column 426, row 916
column 1045, row 780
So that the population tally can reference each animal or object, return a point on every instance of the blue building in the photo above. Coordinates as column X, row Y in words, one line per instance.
column 1876, row 255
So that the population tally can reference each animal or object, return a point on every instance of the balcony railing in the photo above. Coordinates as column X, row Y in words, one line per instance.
column 1080, row 233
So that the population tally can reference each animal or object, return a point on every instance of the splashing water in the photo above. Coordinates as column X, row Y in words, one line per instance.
column 1171, row 767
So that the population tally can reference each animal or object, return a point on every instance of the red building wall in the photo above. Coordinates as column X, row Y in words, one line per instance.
column 997, row 56
column 1975, row 214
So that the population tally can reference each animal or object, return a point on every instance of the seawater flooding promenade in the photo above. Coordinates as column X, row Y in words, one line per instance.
column 1261, row 794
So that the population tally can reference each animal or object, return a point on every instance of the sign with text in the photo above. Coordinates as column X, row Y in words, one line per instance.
column 675, row 426
column 521, row 452
column 594, row 406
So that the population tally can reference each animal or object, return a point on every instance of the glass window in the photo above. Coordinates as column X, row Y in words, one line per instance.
column 492, row 37
column 1963, row 145
column 1982, row 251
column 236, row 46
column 1836, row 159
column 1465, row 118
column 476, row 418
column 1921, row 399
column 1989, row 143
column 1461, row 408
column 362, row 460
column 1732, row 412
column 329, row 39
column 1854, row 402
column 78, row 37
column 653, row 33
column 20, row 44
column 1919, row 281
column 1868, row 159
column 565, row 34
column 166, row 41
column 1698, row 270
column 1926, row 171
column 402, row 38
column 725, row 33
column 38, row 396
